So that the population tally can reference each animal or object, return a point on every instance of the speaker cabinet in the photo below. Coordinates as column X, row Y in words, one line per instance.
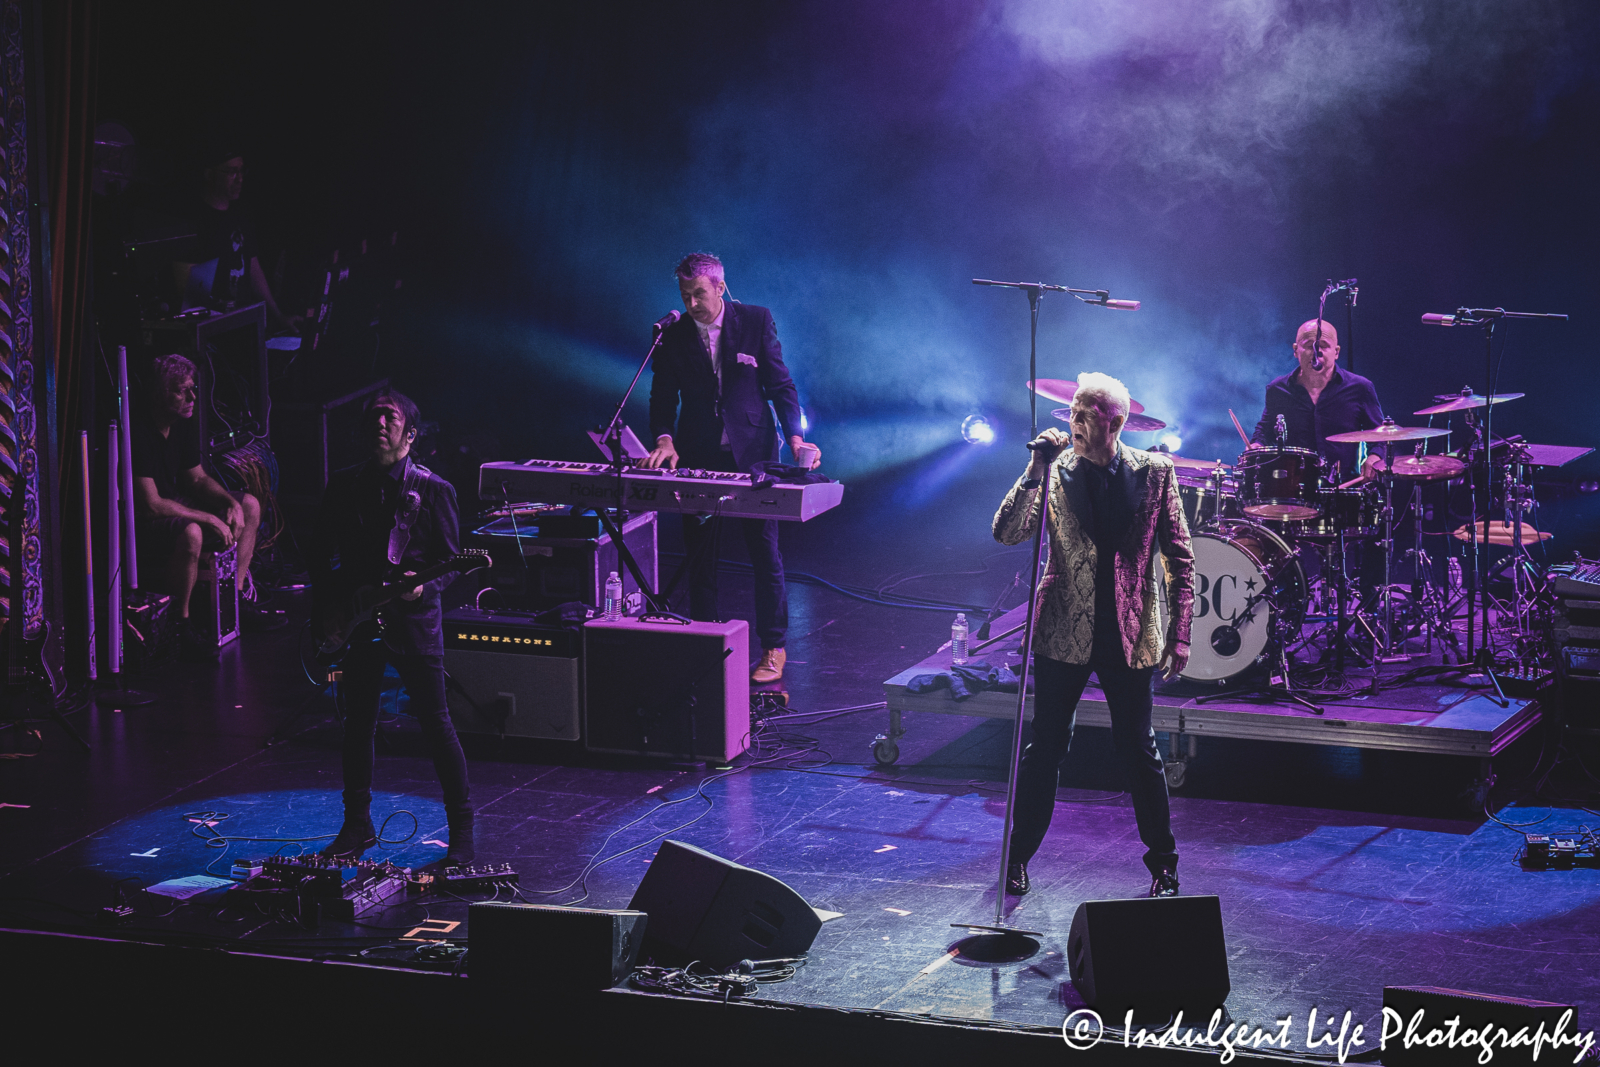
column 703, row 907
column 1155, row 955
column 510, row 676
column 1475, row 1011
column 667, row 688
column 553, row 950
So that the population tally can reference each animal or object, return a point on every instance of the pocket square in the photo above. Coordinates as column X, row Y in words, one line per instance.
column 747, row 360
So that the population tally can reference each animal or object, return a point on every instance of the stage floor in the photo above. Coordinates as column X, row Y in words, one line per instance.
column 1340, row 869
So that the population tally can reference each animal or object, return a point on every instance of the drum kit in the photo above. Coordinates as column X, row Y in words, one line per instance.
column 1256, row 525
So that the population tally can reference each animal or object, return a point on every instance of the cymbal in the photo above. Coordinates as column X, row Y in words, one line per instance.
column 1428, row 468
column 1387, row 432
column 1501, row 533
column 1135, row 424
column 1184, row 461
column 1143, row 424
column 1062, row 391
column 1467, row 401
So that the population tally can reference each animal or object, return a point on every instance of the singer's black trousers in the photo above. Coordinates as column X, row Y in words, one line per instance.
column 1057, row 689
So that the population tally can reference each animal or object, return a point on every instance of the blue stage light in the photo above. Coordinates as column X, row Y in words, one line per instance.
column 977, row 430
column 1172, row 442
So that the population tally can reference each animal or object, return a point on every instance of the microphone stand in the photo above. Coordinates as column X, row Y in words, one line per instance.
column 611, row 435
column 1487, row 319
column 1035, row 290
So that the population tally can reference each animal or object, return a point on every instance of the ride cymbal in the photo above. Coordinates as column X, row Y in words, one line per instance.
column 1467, row 401
column 1387, row 432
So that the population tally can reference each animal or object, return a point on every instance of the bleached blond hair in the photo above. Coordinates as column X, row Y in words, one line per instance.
column 1104, row 392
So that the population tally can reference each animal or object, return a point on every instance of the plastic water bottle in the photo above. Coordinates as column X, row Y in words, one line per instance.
column 613, row 598
column 958, row 639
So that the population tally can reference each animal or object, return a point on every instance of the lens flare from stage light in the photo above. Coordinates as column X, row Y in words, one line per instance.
column 977, row 430
column 1172, row 442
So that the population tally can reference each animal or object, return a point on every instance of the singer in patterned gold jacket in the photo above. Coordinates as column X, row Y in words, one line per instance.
column 1115, row 602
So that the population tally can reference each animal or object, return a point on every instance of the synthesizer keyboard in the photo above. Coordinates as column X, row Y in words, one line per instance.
column 1578, row 579
column 693, row 492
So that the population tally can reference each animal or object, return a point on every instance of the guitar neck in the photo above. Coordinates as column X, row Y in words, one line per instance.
column 462, row 563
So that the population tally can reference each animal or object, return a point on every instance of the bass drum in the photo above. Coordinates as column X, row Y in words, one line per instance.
column 1249, row 592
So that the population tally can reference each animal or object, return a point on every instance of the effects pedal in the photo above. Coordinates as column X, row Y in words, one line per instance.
column 1524, row 682
column 496, row 875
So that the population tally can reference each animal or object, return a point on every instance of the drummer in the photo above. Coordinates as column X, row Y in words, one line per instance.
column 1317, row 399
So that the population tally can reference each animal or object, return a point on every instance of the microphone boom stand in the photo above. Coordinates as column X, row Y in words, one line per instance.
column 1486, row 318
column 1035, row 290
column 611, row 435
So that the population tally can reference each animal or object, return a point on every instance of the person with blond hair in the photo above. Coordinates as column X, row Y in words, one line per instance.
column 1115, row 603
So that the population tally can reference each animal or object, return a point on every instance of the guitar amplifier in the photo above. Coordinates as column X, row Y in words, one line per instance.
column 510, row 676
column 667, row 688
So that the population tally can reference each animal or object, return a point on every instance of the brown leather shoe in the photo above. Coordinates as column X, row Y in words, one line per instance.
column 770, row 669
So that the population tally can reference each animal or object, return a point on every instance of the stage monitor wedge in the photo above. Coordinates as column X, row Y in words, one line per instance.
column 544, row 948
column 703, row 907
column 1155, row 955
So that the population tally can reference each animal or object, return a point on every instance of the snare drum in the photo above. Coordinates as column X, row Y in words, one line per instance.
column 1352, row 512
column 1280, row 483
column 1249, row 589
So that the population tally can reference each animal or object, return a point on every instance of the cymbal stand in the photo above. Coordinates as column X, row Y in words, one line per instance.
column 1434, row 606
column 1524, row 571
column 1386, row 648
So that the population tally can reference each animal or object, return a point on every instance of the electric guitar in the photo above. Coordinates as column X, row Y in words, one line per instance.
column 357, row 622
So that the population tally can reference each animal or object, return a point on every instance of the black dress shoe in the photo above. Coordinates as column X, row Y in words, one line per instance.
column 355, row 837
column 460, row 851
column 1164, row 884
column 1017, row 879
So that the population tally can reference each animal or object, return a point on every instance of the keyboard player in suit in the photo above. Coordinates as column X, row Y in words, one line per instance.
column 716, row 380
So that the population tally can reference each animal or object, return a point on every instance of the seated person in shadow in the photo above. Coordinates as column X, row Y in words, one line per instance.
column 181, row 509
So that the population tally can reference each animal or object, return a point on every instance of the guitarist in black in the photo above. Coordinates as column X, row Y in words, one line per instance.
column 380, row 521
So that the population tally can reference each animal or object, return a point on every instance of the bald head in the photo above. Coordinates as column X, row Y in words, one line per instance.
column 1306, row 343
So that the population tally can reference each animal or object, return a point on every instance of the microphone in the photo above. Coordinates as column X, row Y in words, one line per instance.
column 666, row 320
column 1439, row 320
column 1041, row 446
column 1120, row 305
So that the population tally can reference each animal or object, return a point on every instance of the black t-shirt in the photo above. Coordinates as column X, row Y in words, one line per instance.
column 164, row 458
column 229, row 238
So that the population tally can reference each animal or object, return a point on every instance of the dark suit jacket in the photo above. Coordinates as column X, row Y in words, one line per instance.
column 686, row 403
column 1154, row 559
column 350, row 549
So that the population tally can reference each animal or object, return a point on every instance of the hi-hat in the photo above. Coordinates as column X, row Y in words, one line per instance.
column 1466, row 401
column 1062, row 391
column 1427, row 468
column 1135, row 424
column 1503, row 533
column 1387, row 432
column 1184, row 461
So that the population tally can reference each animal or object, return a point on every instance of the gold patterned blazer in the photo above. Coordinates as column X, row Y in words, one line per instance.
column 1154, row 566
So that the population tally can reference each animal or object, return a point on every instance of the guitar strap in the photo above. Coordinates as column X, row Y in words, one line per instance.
column 405, row 516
